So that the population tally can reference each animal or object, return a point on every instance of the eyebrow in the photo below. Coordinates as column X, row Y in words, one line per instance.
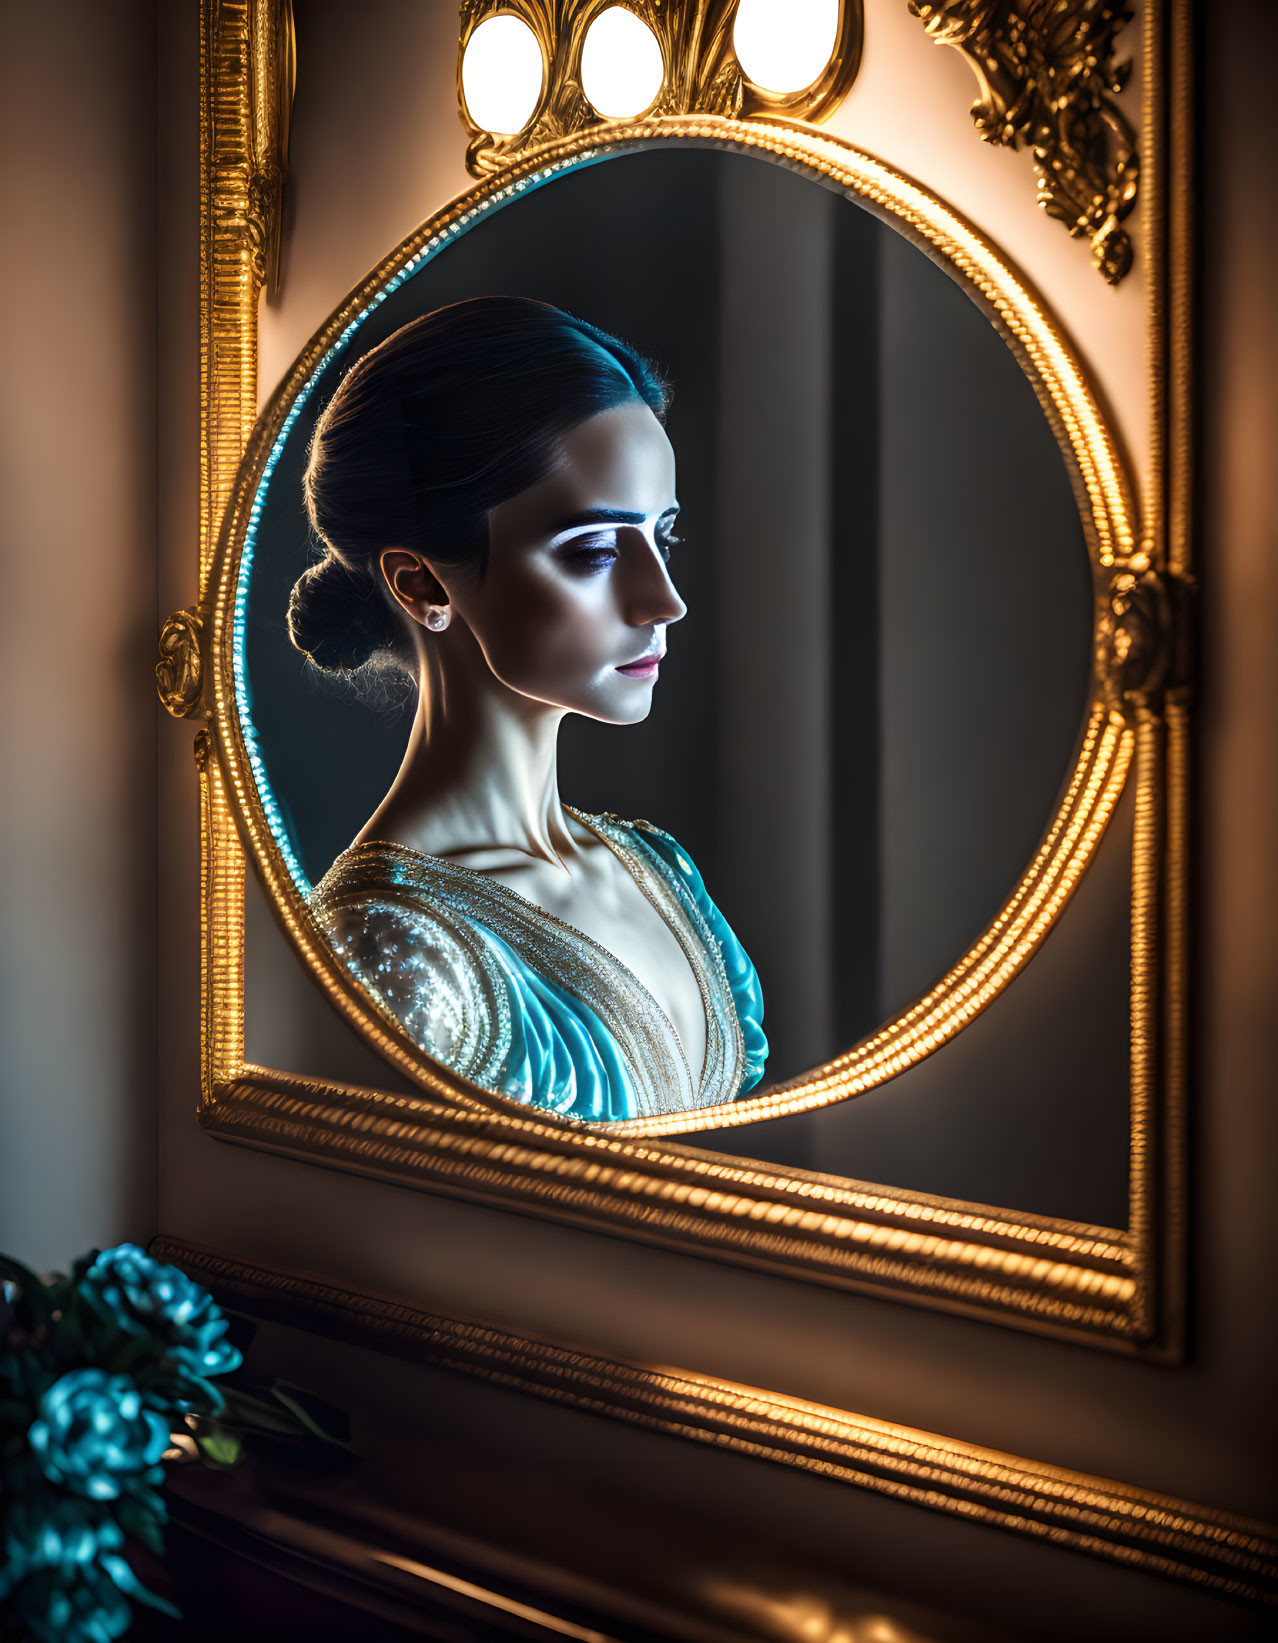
column 607, row 516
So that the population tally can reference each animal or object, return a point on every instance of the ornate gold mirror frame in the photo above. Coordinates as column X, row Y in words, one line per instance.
column 1120, row 1287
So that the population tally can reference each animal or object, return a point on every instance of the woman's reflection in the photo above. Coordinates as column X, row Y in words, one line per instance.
column 494, row 492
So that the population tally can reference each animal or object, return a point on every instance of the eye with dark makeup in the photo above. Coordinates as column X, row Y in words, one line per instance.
column 593, row 554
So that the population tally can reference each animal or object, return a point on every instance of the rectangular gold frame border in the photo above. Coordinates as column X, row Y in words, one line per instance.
column 1216, row 1551
column 1117, row 1288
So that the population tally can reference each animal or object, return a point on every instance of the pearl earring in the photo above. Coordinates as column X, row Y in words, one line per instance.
column 437, row 620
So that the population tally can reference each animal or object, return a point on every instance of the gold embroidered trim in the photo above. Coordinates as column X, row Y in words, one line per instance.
column 479, row 986
column 719, row 1071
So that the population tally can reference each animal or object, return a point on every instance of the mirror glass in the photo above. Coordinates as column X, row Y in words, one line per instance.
column 868, row 705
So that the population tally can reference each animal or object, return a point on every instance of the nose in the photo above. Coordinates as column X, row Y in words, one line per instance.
column 648, row 594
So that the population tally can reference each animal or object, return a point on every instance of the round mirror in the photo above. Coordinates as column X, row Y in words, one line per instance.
column 871, row 709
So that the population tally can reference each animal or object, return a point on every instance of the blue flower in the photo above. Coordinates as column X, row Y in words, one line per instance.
column 52, row 1532
column 148, row 1298
column 94, row 1434
column 56, row 1575
column 64, row 1575
column 85, row 1607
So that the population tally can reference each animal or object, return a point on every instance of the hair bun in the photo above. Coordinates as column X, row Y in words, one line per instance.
column 337, row 616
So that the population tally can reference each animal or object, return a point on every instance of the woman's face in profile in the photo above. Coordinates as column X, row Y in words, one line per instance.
column 573, row 608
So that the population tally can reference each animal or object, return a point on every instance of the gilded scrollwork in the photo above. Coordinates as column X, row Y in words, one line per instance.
column 248, row 208
column 1048, row 80
column 179, row 673
column 702, row 74
column 273, row 69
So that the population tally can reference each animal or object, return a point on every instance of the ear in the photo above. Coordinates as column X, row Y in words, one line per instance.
column 416, row 588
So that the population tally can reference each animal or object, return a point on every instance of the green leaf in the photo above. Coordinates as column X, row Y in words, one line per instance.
column 143, row 1516
column 152, row 1508
column 247, row 1413
column 30, row 1286
column 36, row 1374
column 311, row 1419
column 133, row 1350
column 16, row 1273
column 221, row 1450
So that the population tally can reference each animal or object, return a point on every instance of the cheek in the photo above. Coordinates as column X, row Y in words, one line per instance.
column 543, row 626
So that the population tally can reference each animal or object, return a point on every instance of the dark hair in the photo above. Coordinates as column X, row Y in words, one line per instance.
column 455, row 412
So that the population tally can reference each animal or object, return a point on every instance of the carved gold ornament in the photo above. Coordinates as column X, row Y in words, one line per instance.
column 258, row 37
column 701, row 73
column 1140, row 641
column 1048, row 81
column 179, row 673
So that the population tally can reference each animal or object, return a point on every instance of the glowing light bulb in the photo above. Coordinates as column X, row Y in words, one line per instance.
column 783, row 45
column 502, row 74
column 621, row 66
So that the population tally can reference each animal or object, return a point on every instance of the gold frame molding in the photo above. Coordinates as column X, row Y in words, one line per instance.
column 1215, row 1551
column 1117, row 1287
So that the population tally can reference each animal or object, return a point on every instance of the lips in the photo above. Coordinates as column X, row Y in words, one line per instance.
column 645, row 667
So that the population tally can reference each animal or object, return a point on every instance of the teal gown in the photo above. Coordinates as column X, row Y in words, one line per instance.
column 512, row 998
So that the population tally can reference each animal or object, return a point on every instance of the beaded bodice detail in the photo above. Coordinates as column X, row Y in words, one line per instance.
column 519, row 1001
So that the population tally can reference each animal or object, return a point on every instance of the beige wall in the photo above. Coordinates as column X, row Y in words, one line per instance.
column 1235, row 1143
column 77, row 635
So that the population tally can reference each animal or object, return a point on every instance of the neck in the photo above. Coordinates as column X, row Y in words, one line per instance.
column 481, row 771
